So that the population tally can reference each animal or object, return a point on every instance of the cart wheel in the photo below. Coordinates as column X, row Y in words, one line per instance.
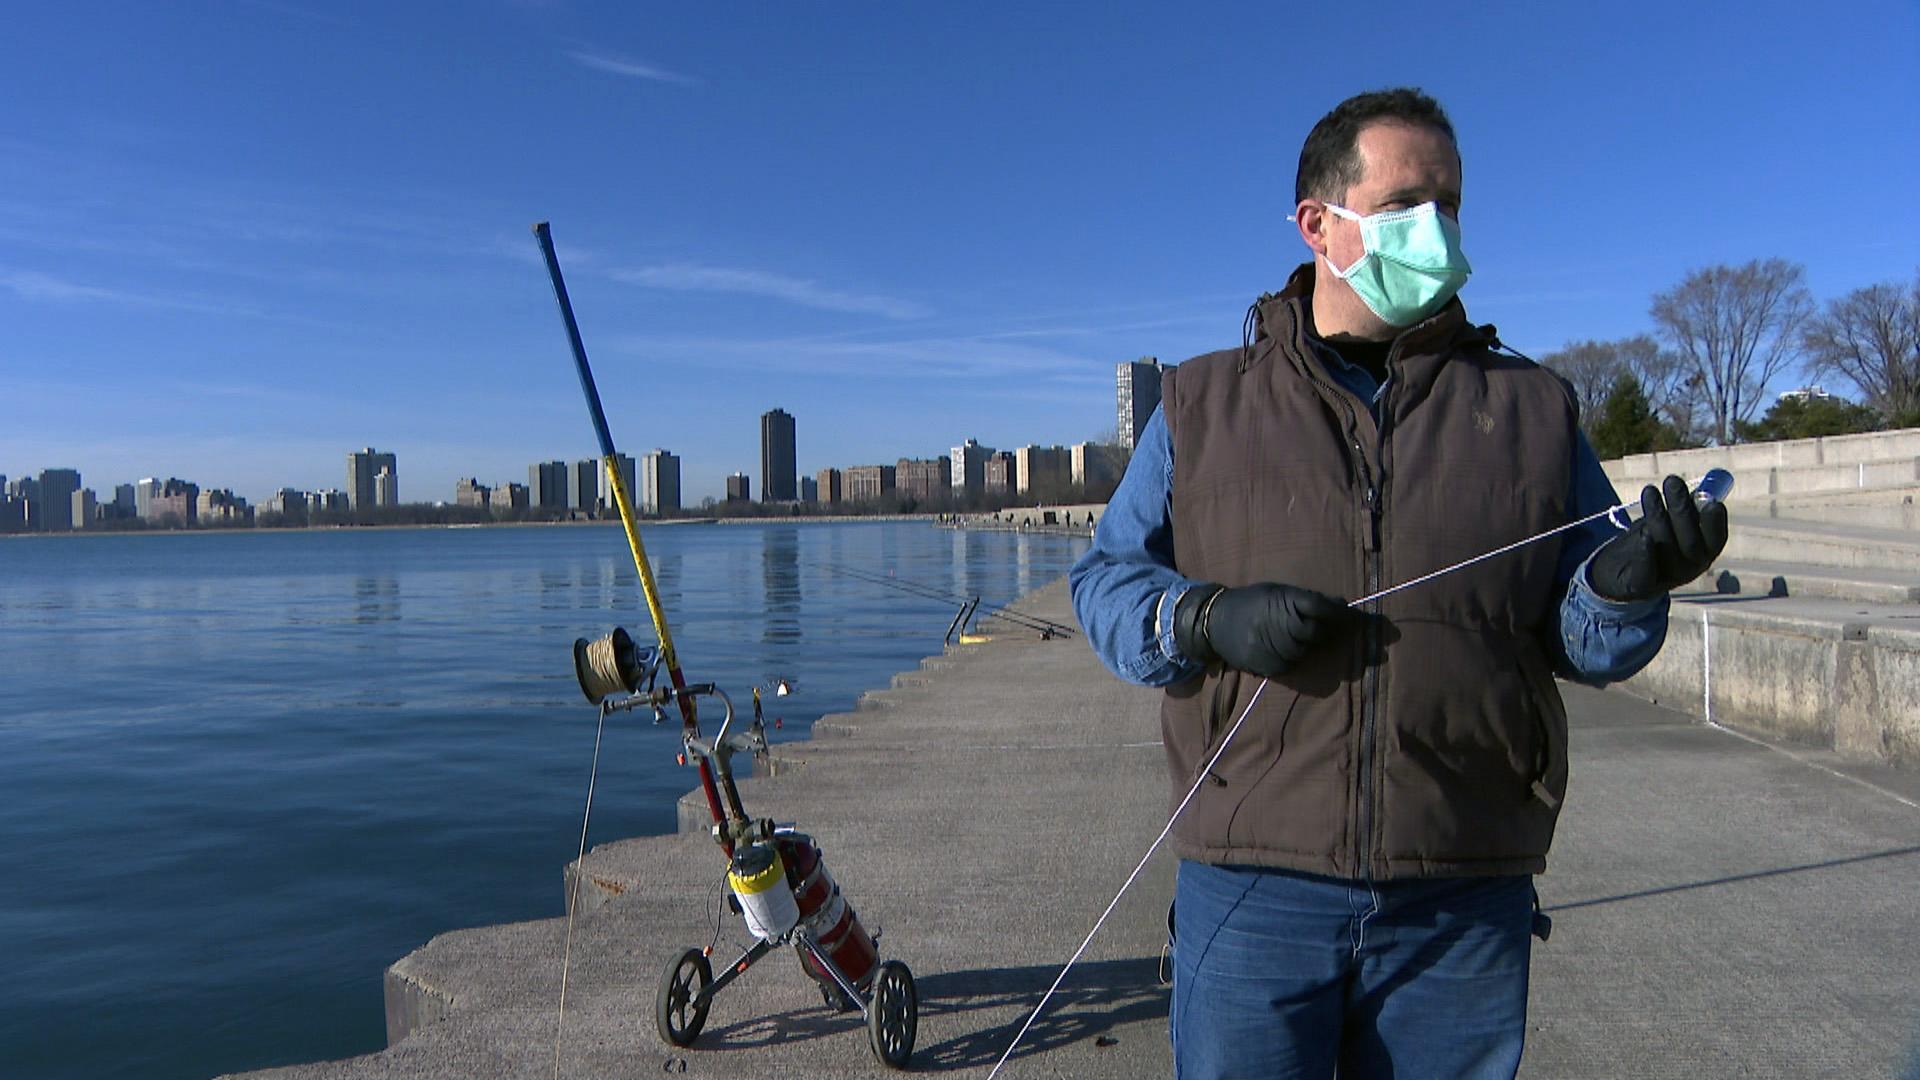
column 674, row 1011
column 893, row 1016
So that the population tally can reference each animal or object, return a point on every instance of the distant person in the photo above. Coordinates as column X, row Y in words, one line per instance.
column 1356, row 888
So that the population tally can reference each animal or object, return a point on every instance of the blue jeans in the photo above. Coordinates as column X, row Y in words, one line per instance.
column 1283, row 975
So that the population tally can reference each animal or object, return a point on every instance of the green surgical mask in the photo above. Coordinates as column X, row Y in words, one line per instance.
column 1412, row 263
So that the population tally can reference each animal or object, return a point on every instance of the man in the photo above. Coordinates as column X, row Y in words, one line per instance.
column 1355, row 891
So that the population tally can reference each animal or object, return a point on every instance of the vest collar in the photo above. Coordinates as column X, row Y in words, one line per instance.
column 1284, row 320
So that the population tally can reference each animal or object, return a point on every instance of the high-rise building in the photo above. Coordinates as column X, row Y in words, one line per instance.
column 363, row 473
column 27, row 491
column 969, row 467
column 220, row 506
column 547, row 485
column 809, row 489
column 1139, row 394
column 469, row 491
column 143, row 493
column 123, row 500
column 386, row 487
column 56, row 499
column 659, row 482
column 174, row 502
column 509, row 496
column 738, row 489
column 583, row 486
column 288, row 501
column 13, row 514
column 1043, row 470
column 83, row 507
column 777, row 471
column 629, row 479
column 868, row 483
column 832, row 486
column 924, row 479
column 1097, row 466
column 1002, row 472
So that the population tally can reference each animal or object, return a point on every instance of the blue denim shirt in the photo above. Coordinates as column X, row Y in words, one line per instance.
column 1125, row 587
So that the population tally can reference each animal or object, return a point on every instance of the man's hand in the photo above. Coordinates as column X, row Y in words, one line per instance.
column 1672, row 543
column 1264, row 629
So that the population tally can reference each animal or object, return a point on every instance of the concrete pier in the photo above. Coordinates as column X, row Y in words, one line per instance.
column 1722, row 906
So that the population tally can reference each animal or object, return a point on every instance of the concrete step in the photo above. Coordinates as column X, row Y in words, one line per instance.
column 1761, row 483
column 1733, row 577
column 1874, row 446
column 1818, row 543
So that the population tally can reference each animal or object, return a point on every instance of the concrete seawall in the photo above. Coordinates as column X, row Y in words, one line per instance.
column 1722, row 907
column 1825, row 673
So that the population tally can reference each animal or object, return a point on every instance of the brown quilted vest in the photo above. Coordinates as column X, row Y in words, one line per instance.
column 1433, row 743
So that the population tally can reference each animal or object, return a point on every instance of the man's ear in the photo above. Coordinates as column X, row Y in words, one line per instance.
column 1310, row 217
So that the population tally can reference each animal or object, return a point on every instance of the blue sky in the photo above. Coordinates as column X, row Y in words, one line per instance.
column 238, row 240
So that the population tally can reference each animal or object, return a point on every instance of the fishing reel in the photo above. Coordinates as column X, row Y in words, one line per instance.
column 616, row 664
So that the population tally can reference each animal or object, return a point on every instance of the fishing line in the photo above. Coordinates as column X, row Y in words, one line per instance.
column 914, row 588
column 573, row 900
column 1191, row 792
column 1713, row 487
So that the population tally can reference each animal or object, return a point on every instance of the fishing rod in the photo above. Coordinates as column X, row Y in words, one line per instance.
column 1713, row 487
column 1005, row 611
column 779, row 880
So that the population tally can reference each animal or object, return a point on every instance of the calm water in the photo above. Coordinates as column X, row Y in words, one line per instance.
column 241, row 773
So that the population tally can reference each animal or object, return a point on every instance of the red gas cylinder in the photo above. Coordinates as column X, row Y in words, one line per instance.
column 825, row 914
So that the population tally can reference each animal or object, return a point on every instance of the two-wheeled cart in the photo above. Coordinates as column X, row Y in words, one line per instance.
column 778, row 879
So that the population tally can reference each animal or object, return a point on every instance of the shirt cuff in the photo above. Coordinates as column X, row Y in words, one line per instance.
column 1613, row 611
column 1163, row 621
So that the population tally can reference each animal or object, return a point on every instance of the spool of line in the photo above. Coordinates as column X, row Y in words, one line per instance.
column 607, row 666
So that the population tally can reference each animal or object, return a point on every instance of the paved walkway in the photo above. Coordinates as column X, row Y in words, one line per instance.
column 1722, row 908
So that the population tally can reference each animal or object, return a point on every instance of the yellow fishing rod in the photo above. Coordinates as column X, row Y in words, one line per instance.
column 689, row 716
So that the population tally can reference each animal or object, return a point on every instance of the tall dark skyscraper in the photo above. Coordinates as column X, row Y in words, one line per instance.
column 777, row 470
column 547, row 485
column 1139, row 394
column 56, row 499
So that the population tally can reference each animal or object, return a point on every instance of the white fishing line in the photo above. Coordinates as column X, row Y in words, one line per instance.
column 1713, row 487
column 1244, row 713
column 573, row 898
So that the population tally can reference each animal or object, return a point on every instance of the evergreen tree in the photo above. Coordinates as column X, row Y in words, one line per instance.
column 1626, row 424
column 1807, row 417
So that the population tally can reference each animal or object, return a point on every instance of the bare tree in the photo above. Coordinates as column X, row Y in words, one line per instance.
column 1736, row 327
column 1590, row 367
column 1671, row 386
column 1871, row 338
column 1593, row 367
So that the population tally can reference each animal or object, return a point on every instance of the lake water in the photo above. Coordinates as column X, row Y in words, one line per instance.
column 241, row 773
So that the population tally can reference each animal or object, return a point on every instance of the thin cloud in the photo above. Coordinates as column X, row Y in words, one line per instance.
column 632, row 69
column 32, row 285
column 690, row 277
column 966, row 359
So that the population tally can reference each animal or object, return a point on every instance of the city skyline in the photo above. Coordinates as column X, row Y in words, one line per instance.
column 209, row 270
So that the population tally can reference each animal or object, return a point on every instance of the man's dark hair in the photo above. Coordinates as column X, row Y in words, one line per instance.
column 1330, row 158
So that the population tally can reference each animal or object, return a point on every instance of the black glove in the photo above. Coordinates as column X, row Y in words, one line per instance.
column 1264, row 629
column 1670, row 545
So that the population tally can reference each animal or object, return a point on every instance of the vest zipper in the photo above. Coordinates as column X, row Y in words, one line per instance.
column 1372, row 496
column 1370, row 635
column 1370, row 692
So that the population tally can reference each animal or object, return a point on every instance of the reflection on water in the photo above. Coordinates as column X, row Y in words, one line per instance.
column 426, row 773
column 376, row 598
column 780, row 584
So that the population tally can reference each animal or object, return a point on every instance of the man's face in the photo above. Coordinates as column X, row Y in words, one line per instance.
column 1402, row 166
